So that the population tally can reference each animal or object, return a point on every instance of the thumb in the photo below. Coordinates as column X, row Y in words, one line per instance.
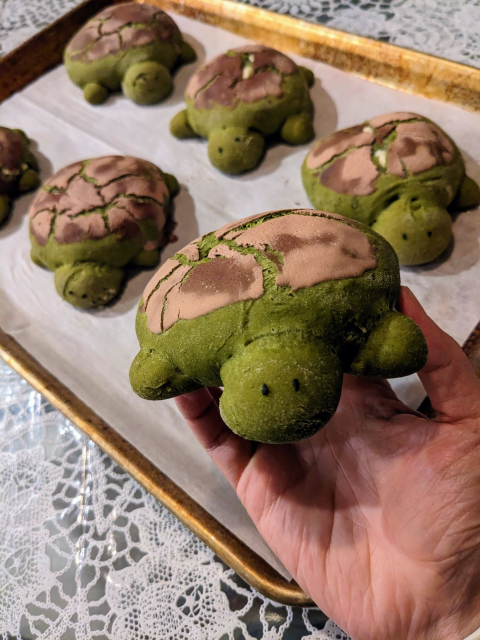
column 448, row 377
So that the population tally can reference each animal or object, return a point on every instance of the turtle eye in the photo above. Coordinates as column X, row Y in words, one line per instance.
column 296, row 384
column 264, row 390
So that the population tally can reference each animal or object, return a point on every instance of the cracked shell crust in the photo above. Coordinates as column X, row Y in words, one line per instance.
column 255, row 275
column 99, row 206
column 251, row 86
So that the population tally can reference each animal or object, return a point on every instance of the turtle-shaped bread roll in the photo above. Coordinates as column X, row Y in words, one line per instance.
column 397, row 173
column 275, row 308
column 130, row 46
column 18, row 168
column 241, row 97
column 94, row 218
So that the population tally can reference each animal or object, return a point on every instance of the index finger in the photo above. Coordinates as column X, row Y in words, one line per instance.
column 230, row 452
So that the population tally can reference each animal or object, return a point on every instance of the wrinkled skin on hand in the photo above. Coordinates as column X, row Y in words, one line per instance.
column 377, row 516
column 130, row 47
column 398, row 173
column 239, row 99
column 94, row 218
column 18, row 168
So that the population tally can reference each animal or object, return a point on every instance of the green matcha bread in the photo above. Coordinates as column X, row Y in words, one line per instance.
column 397, row 173
column 94, row 218
column 130, row 47
column 241, row 97
column 275, row 308
column 18, row 168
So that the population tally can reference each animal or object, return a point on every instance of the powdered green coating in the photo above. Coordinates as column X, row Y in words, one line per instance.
column 94, row 218
column 280, row 351
column 398, row 174
column 18, row 168
column 130, row 47
column 240, row 98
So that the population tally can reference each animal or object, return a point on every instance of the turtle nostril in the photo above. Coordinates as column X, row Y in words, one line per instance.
column 264, row 390
column 429, row 234
column 404, row 236
column 296, row 384
column 220, row 150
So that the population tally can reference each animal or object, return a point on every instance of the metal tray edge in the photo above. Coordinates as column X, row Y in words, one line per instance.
column 383, row 63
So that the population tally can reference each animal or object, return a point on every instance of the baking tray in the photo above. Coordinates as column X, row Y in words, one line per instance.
column 383, row 63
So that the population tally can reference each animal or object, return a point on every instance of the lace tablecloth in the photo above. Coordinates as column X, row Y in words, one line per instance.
column 446, row 28
column 85, row 552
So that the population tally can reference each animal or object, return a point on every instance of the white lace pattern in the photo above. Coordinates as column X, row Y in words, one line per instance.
column 445, row 28
column 86, row 553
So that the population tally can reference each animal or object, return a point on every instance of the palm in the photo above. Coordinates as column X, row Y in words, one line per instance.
column 377, row 516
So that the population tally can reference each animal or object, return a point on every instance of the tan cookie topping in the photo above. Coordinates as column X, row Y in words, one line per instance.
column 385, row 144
column 307, row 247
column 247, row 74
column 88, row 200
column 120, row 28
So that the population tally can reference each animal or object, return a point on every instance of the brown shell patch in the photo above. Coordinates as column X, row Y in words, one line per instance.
column 11, row 150
column 213, row 285
column 337, row 144
column 354, row 174
column 120, row 28
column 420, row 146
column 247, row 73
column 417, row 146
column 314, row 249
column 89, row 200
column 307, row 247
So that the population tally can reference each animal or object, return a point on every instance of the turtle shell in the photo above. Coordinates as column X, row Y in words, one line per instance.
column 304, row 247
column 91, row 199
column 12, row 151
column 122, row 27
column 351, row 161
column 243, row 75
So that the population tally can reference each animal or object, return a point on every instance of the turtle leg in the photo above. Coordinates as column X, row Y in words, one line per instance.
column 468, row 195
column 180, row 127
column 187, row 54
column 172, row 184
column 5, row 206
column 147, row 82
column 418, row 229
column 146, row 258
column 298, row 129
column 308, row 75
column 154, row 377
column 396, row 347
column 95, row 93
column 88, row 285
column 35, row 258
column 234, row 150
column 28, row 181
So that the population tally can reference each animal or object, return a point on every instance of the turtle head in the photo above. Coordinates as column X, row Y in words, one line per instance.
column 418, row 228
column 88, row 284
column 280, row 390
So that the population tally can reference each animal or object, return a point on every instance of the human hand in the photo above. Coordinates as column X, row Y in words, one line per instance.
column 377, row 516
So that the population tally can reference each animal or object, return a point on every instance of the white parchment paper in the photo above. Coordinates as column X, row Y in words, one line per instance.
column 91, row 352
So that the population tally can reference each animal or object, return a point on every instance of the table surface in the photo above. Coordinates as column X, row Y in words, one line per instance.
column 85, row 552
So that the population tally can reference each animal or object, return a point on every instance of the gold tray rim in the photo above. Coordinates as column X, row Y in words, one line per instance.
column 376, row 61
